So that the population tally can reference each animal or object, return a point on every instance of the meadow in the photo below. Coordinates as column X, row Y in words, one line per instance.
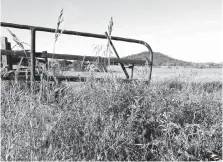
column 178, row 116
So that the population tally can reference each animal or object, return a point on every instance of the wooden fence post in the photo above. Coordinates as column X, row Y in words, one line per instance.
column 6, row 61
column 46, row 60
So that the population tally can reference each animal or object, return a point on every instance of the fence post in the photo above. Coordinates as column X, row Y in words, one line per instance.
column 6, row 61
column 10, row 63
column 132, row 67
column 46, row 60
column 33, row 60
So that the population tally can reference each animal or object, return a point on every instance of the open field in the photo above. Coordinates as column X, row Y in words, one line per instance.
column 176, row 117
column 189, row 74
column 158, row 74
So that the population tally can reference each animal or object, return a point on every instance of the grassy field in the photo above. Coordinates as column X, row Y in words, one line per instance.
column 178, row 116
column 159, row 74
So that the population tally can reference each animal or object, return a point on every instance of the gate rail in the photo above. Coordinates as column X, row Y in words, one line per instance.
column 34, row 54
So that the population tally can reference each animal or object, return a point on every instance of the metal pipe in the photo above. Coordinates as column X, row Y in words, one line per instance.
column 33, row 49
column 18, row 26
column 132, row 68
column 116, row 53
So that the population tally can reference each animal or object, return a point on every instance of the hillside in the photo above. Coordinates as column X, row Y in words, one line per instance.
column 160, row 59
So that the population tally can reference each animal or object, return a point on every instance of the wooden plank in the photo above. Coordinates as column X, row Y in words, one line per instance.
column 72, row 57
column 66, row 78
column 6, row 60
column 4, row 41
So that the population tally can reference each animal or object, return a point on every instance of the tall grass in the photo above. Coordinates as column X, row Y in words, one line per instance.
column 57, row 33
column 20, row 45
column 168, row 120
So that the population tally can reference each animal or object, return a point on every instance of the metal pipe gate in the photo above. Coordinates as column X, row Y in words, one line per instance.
column 34, row 54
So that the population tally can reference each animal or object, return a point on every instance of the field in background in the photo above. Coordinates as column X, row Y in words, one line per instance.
column 158, row 74
column 188, row 74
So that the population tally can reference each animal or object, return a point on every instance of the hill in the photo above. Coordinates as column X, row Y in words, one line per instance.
column 160, row 59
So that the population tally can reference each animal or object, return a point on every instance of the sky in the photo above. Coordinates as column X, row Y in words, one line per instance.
column 189, row 30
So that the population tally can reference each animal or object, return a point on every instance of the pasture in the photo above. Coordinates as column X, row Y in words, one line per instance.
column 159, row 74
column 178, row 116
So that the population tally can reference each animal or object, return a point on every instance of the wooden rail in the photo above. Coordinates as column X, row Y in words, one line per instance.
column 65, row 78
column 70, row 57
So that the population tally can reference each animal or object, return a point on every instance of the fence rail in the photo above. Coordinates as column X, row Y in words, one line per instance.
column 70, row 57
column 64, row 78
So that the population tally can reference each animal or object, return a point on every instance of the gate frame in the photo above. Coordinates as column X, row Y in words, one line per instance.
column 33, row 52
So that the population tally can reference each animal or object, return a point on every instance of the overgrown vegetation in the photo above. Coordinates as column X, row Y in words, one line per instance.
column 167, row 120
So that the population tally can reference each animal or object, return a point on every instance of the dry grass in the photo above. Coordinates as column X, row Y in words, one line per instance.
column 57, row 33
column 166, row 120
